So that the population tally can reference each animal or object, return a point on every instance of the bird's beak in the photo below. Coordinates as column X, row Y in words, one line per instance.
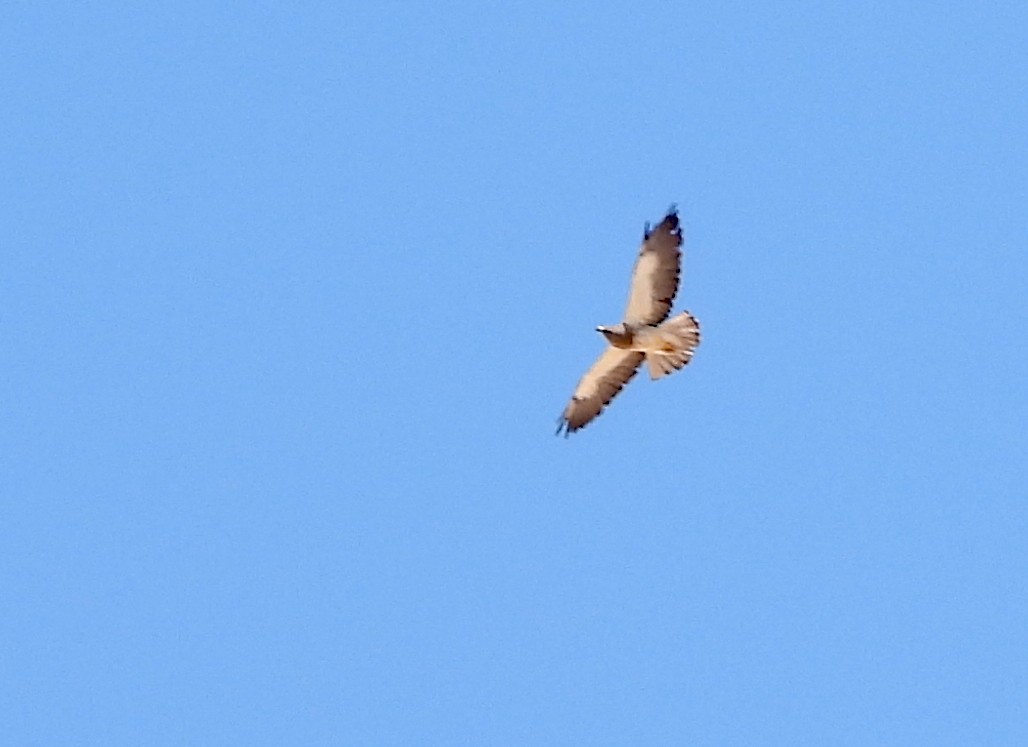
column 600, row 329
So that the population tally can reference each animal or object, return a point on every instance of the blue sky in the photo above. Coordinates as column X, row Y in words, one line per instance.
column 290, row 299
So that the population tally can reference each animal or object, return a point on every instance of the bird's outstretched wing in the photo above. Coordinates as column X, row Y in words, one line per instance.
column 656, row 272
column 600, row 385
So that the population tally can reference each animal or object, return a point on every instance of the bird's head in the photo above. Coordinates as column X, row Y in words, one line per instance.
column 618, row 330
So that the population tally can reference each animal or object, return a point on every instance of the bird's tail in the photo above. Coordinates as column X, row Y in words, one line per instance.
column 679, row 338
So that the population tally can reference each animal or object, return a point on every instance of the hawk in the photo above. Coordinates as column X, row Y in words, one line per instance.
column 644, row 334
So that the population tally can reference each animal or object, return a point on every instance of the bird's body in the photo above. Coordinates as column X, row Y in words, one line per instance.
column 666, row 346
column 644, row 338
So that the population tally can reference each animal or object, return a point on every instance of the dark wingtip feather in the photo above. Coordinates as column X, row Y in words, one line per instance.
column 672, row 217
column 564, row 425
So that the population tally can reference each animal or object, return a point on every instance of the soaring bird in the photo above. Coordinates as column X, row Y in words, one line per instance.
column 644, row 334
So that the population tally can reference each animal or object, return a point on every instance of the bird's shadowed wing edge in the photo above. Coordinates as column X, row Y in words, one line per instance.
column 600, row 384
column 656, row 273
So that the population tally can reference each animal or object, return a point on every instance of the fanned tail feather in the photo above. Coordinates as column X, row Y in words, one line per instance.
column 681, row 336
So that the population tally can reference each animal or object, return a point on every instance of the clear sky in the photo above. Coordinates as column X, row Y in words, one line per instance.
column 291, row 298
